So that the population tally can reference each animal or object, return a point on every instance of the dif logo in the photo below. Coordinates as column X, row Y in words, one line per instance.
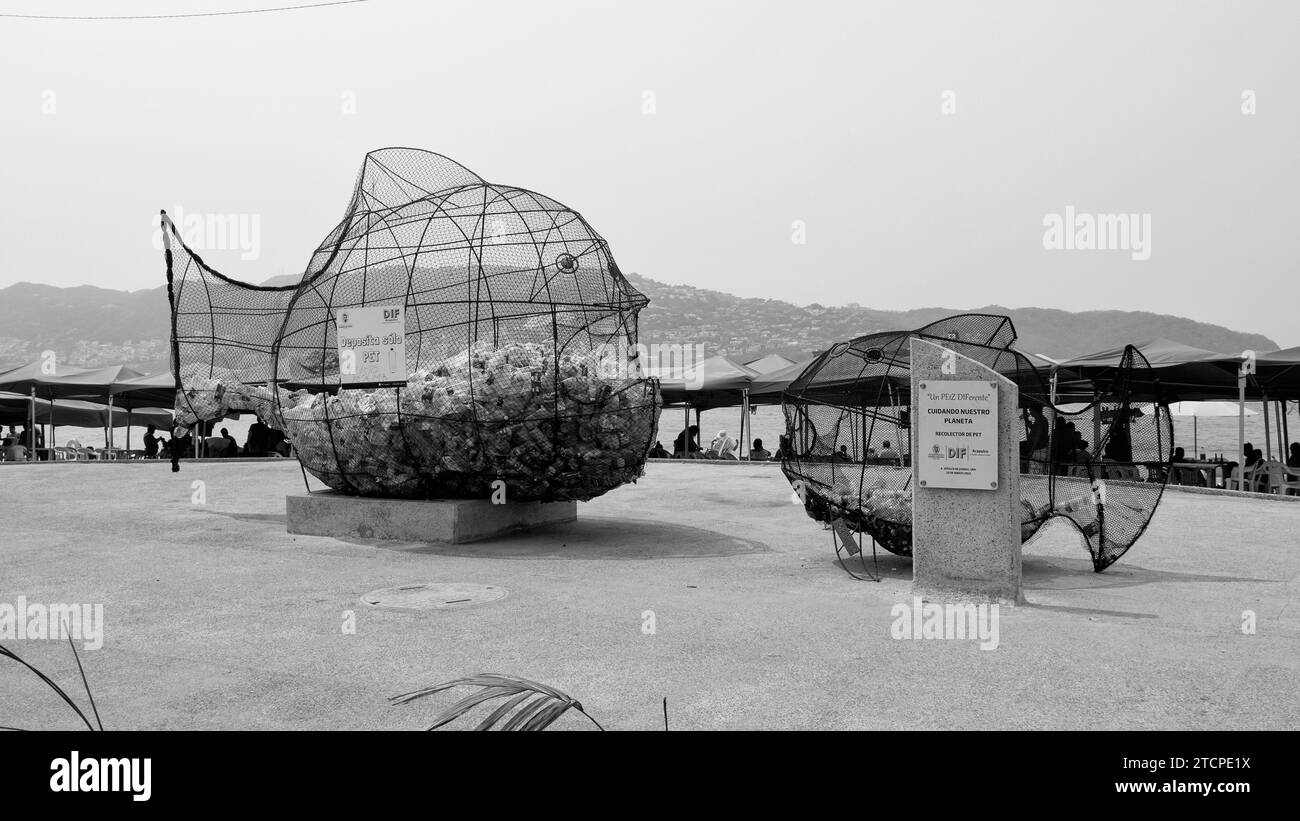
column 957, row 453
column 392, row 314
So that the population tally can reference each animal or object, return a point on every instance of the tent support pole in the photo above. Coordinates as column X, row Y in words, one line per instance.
column 1268, row 432
column 31, row 429
column 744, row 419
column 1241, row 430
column 1279, row 408
column 686, row 430
column 1096, row 424
column 1286, row 428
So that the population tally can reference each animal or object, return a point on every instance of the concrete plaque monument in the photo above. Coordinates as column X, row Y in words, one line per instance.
column 966, row 514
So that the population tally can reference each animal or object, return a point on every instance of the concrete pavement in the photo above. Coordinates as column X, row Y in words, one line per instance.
column 216, row 618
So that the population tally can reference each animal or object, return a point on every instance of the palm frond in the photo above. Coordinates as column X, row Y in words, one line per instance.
column 84, row 682
column 10, row 654
column 528, row 706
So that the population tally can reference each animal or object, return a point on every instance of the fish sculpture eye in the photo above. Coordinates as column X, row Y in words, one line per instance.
column 566, row 263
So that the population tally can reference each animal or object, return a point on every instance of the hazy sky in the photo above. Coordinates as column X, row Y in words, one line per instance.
column 762, row 114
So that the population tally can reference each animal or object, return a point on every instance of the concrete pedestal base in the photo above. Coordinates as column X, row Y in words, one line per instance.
column 965, row 542
column 412, row 520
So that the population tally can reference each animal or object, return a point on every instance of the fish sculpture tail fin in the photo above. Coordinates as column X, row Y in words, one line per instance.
column 222, row 335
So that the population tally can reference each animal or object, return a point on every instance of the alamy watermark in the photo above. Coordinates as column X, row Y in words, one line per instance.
column 214, row 232
column 1073, row 231
column 920, row 620
column 81, row 622
column 676, row 361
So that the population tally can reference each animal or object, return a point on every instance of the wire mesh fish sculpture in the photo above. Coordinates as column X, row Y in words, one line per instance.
column 518, row 328
column 1102, row 462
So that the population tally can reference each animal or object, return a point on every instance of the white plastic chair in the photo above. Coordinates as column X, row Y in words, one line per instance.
column 1280, row 478
column 1241, row 476
column 1123, row 473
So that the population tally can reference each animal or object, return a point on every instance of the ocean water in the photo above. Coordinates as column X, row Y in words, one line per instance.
column 1215, row 435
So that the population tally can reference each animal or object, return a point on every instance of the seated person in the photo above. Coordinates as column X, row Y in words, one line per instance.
column 887, row 452
column 232, row 447
column 256, row 443
column 182, row 446
column 151, row 442
column 276, row 443
column 1253, row 455
column 1293, row 464
column 723, row 447
column 658, row 452
column 1253, row 458
column 216, row 446
column 782, row 448
column 687, row 443
column 1186, row 476
column 12, row 451
column 1255, row 463
column 842, row 455
column 757, row 453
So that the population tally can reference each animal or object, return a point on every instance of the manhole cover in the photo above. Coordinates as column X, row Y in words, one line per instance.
column 437, row 595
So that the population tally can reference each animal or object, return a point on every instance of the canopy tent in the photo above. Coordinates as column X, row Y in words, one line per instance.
column 1183, row 372
column 71, row 383
column 718, row 381
column 65, row 383
column 1186, row 373
column 158, row 389
column 15, row 409
column 1277, row 373
column 769, row 364
column 768, row 386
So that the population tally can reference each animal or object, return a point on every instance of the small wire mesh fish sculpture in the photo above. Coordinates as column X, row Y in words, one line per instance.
column 1102, row 464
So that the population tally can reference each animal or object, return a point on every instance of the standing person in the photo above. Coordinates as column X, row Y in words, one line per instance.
column 151, row 442
column 1119, row 447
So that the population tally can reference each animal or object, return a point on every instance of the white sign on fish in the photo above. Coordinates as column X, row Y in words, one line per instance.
column 372, row 345
column 957, row 435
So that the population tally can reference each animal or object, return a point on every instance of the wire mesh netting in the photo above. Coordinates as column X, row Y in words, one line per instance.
column 518, row 332
column 1101, row 464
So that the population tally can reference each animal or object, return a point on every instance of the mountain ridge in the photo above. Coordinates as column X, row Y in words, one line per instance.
column 88, row 325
